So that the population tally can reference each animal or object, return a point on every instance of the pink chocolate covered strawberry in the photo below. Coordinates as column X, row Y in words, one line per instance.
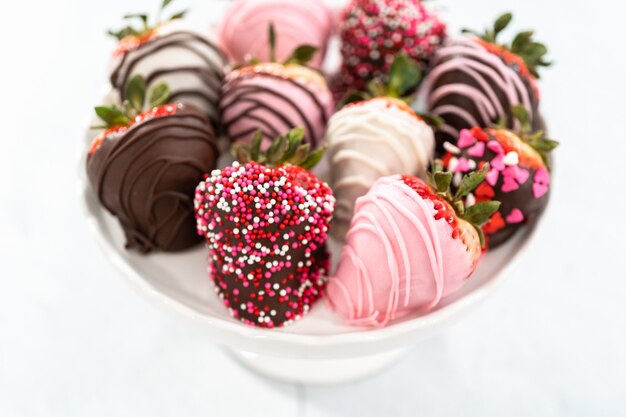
column 266, row 219
column 410, row 244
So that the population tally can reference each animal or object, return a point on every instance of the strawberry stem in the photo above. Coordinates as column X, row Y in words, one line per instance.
column 285, row 149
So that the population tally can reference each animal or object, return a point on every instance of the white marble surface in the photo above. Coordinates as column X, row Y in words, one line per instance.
column 75, row 340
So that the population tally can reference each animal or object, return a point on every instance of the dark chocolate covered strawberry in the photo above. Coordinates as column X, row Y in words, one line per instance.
column 266, row 219
column 145, row 166
column 474, row 80
column 519, row 176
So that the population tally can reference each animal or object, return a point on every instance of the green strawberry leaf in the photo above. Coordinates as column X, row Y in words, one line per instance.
column 443, row 181
column 313, row 158
column 159, row 95
column 255, row 148
column 165, row 4
column 376, row 88
column 521, row 114
column 135, row 92
column 404, row 76
column 480, row 213
column 271, row 36
column 502, row 22
column 112, row 116
column 178, row 15
column 353, row 96
column 302, row 55
column 471, row 181
column 432, row 120
column 481, row 235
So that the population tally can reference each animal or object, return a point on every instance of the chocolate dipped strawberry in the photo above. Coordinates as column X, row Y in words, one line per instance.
column 519, row 176
column 145, row 166
column 373, row 32
column 166, row 50
column 374, row 136
column 266, row 219
column 474, row 80
column 410, row 245
column 275, row 98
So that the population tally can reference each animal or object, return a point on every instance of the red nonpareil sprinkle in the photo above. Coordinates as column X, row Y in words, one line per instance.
column 443, row 209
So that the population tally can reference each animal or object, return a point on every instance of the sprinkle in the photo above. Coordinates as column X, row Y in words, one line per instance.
column 451, row 148
column 516, row 216
column 511, row 158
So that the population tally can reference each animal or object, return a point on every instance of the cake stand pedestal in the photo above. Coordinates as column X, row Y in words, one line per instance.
column 317, row 371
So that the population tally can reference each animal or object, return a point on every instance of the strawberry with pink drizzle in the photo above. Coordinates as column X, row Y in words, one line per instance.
column 409, row 246
column 519, row 176
column 266, row 219
column 373, row 32
column 474, row 80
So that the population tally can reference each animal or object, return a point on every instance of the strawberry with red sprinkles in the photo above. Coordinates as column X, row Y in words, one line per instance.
column 265, row 219
column 373, row 32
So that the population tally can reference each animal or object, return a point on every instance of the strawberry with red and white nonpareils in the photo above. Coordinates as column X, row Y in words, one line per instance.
column 519, row 176
column 373, row 32
column 265, row 219
column 410, row 245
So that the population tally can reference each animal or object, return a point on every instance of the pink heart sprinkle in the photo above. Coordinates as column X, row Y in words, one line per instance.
column 492, row 177
column 539, row 189
column 465, row 139
column 498, row 162
column 477, row 150
column 519, row 174
column 496, row 147
column 542, row 176
column 509, row 184
column 462, row 165
column 516, row 216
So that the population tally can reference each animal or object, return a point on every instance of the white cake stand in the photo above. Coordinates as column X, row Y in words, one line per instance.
column 318, row 349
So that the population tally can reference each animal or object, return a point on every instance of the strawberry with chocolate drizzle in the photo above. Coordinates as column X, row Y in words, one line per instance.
column 266, row 219
column 410, row 245
column 165, row 50
column 275, row 97
column 145, row 164
column 519, row 176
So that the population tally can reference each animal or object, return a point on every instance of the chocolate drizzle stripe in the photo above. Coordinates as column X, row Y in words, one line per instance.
column 233, row 93
column 158, row 44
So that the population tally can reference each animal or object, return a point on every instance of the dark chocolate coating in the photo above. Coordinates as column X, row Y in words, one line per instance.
column 464, row 78
column 286, row 277
column 521, row 198
column 146, row 177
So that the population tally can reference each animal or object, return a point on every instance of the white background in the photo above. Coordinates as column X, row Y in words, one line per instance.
column 75, row 340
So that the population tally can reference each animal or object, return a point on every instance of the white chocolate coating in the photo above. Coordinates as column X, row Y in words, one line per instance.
column 370, row 140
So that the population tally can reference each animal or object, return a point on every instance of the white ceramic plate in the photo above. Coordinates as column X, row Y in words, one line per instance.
column 181, row 283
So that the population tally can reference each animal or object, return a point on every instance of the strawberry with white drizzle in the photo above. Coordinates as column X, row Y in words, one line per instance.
column 410, row 245
column 519, row 176
column 374, row 136
column 266, row 219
